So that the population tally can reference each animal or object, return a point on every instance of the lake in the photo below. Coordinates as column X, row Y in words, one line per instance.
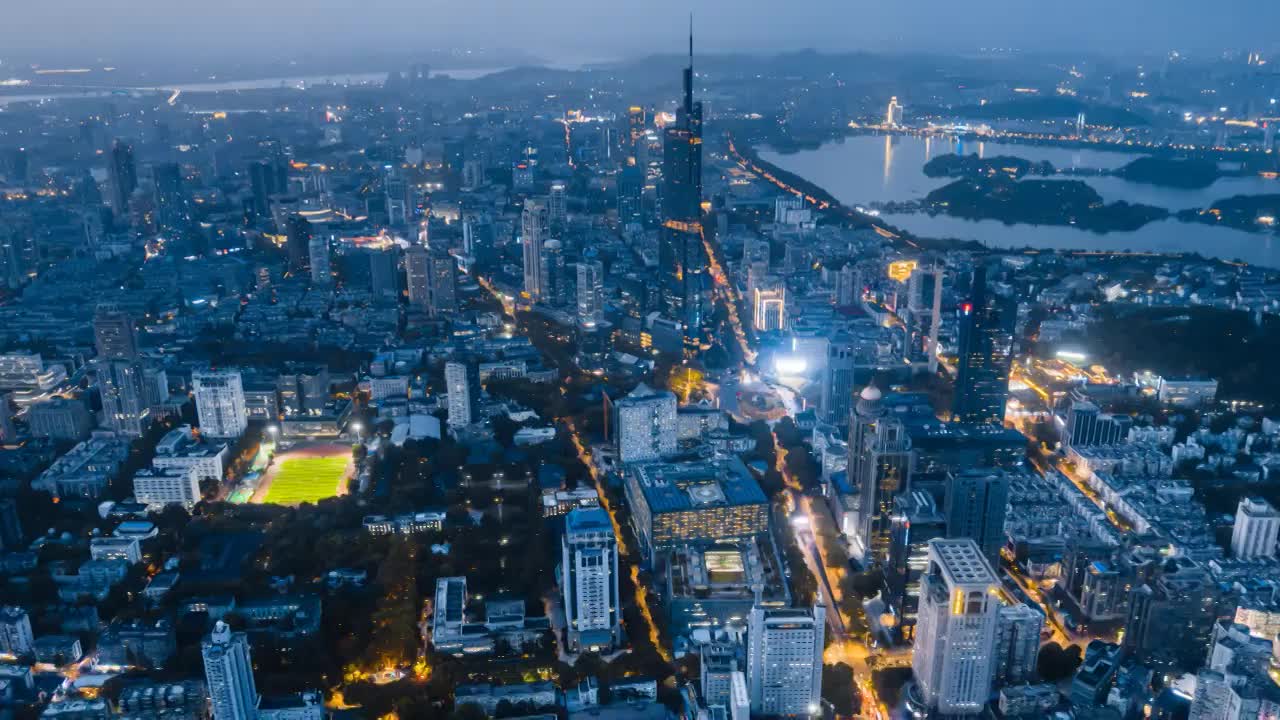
column 866, row 169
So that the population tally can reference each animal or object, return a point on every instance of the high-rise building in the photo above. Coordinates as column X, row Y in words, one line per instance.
column 220, row 403
column 635, row 130
column 1255, row 531
column 15, row 632
column 893, row 115
column 784, row 660
column 880, row 468
column 954, row 656
column 682, row 259
column 397, row 201
column 976, row 503
column 173, row 210
column 589, row 580
column 1017, row 644
column 590, row 293
column 557, row 205
column 266, row 179
column 719, row 661
column 644, row 423
column 553, row 277
column 442, row 280
column 631, row 196
column 917, row 519
column 318, row 258
column 770, row 307
column 463, row 387
column 985, row 352
column 838, row 377
column 169, row 486
column 297, row 243
column 122, row 172
column 114, row 334
column 417, row 271
column 384, row 272
column 228, row 674
column 848, row 285
column 924, row 315
column 534, row 221
column 124, row 404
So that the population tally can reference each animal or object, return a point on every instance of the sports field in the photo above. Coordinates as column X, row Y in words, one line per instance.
column 307, row 475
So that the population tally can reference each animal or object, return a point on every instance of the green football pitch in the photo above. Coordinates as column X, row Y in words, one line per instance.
column 307, row 479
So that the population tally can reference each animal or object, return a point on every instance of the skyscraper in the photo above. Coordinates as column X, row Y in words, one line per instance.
column 173, row 211
column 880, row 467
column 463, row 386
column 916, row 520
column 552, row 274
column 836, row 396
column 1254, row 533
column 557, row 205
column 954, row 656
column 384, row 272
column 417, row 270
column 784, row 660
column 986, row 350
column 122, row 172
column 219, row 403
column 318, row 258
column 533, row 233
column 631, row 196
column 1017, row 644
column 769, row 301
column 976, row 503
column 297, row 244
column 590, row 293
column 442, row 280
column 589, row 580
column 682, row 260
column 228, row 672
column 114, row 333
column 645, row 425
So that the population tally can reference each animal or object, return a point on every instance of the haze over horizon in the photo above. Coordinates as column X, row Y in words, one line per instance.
column 581, row 31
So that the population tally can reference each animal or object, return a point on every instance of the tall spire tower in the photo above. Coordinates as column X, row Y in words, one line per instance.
column 688, row 74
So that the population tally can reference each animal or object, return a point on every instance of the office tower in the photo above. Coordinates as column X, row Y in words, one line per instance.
column 228, row 674
column 1171, row 616
column 557, row 205
column 397, row 198
column 682, row 260
column 784, row 660
column 976, row 503
column 297, row 243
column 115, row 335
column 442, row 281
column 16, row 637
column 173, row 211
column 1254, row 533
column 417, row 271
column 124, row 406
column 463, row 387
column 122, row 173
column 1017, row 644
column 631, row 196
column 893, row 115
column 590, row 293
column 645, row 425
column 924, row 315
column 953, row 656
column 384, row 272
column 835, row 400
column 219, row 403
column 985, row 351
column 635, row 129
column 552, row 275
column 533, row 233
column 880, row 468
column 718, row 663
column 769, row 302
column 318, row 257
column 916, row 520
column 589, row 580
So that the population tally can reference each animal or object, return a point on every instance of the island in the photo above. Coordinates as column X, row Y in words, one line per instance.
column 1253, row 213
column 959, row 166
column 1039, row 202
column 1182, row 173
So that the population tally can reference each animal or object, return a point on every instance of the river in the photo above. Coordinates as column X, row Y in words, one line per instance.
column 865, row 169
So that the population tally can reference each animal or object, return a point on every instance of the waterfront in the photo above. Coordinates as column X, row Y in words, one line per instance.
column 866, row 169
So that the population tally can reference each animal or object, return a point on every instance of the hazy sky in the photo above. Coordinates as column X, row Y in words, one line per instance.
column 603, row 29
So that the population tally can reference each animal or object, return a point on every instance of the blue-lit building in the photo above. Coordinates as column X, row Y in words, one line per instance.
column 986, row 350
